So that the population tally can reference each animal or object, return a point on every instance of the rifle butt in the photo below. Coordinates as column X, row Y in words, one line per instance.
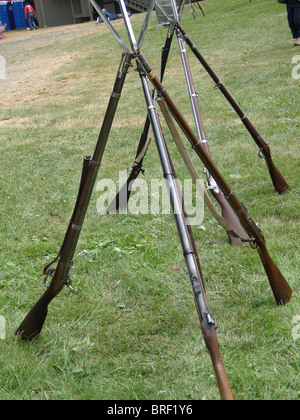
column 33, row 323
column 280, row 184
column 280, row 287
column 212, row 345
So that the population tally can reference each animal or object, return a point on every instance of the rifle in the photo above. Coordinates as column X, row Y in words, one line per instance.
column 281, row 289
column 32, row 325
column 190, row 253
column 280, row 184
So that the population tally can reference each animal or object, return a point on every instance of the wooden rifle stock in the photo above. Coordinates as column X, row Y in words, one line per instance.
column 281, row 289
column 188, row 247
column 280, row 184
column 278, row 180
column 279, row 285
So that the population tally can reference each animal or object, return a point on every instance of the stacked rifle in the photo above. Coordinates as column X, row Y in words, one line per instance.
column 234, row 218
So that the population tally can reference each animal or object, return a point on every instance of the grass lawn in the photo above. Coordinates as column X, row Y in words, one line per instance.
column 131, row 331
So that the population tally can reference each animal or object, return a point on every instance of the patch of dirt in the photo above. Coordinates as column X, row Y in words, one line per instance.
column 22, row 40
column 26, row 68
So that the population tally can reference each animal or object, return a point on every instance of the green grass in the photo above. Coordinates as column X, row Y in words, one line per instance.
column 131, row 331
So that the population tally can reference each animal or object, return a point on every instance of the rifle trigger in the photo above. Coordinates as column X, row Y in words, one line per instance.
column 261, row 153
column 68, row 284
column 69, row 280
column 49, row 273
